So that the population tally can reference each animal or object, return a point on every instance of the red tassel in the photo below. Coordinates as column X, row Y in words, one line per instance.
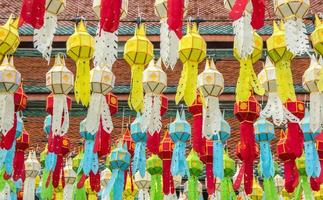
column 210, row 179
column 295, row 139
column 291, row 175
column 102, row 142
column 57, row 171
column 258, row 13
column 63, row 178
column 81, row 182
column 33, row 12
column 197, row 133
column 175, row 13
column 238, row 9
column 95, row 181
column 238, row 180
column 167, row 177
column 7, row 140
column 315, row 184
column 153, row 142
column 48, row 179
column 110, row 15
column 19, row 166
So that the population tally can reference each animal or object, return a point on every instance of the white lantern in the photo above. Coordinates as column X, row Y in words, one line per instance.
column 10, row 78
column 143, row 184
column 102, row 80
column 154, row 78
column 59, row 79
column 32, row 169
column 96, row 6
column 69, row 178
column 288, row 9
column 55, row 6
column 311, row 76
column 105, row 177
column 279, row 183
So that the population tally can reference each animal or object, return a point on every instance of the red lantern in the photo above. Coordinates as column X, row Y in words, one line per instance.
column 165, row 153
column 112, row 100
column 196, row 109
column 127, row 139
column 22, row 144
column 247, row 112
column 207, row 159
column 20, row 99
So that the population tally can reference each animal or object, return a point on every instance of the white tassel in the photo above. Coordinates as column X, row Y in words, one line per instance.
column 315, row 111
column 106, row 48
column 5, row 193
column 143, row 195
column 60, row 110
column 289, row 116
column 68, row 192
column 29, row 189
column 274, row 108
column 146, row 114
column 106, row 116
column 7, row 111
column 151, row 118
column 168, row 45
column 43, row 37
column 296, row 38
column 243, row 38
column 211, row 117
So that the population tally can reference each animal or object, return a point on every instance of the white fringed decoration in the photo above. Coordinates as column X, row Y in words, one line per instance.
column 5, row 193
column 211, row 117
column 274, row 108
column 151, row 118
column 168, row 45
column 60, row 111
column 98, row 108
column 43, row 37
column 106, row 48
column 29, row 188
column 243, row 38
column 143, row 195
column 289, row 116
column 68, row 192
column 170, row 197
column 296, row 38
column 315, row 111
column 7, row 111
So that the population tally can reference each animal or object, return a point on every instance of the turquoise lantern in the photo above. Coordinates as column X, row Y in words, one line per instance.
column 219, row 138
column 180, row 133
column 140, row 138
column 313, row 167
column 119, row 162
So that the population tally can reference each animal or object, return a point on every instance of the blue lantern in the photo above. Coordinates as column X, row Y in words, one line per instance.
column 264, row 133
column 313, row 167
column 180, row 133
column 90, row 161
column 119, row 162
column 140, row 138
column 219, row 138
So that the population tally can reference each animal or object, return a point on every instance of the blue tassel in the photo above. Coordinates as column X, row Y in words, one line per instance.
column 9, row 158
column 87, row 162
column 50, row 161
column 108, row 188
column 218, row 159
column 313, row 167
column 118, row 186
column 3, row 154
column 179, row 165
column 139, row 159
column 266, row 160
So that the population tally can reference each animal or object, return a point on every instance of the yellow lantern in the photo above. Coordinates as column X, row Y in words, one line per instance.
column 105, row 177
column 96, row 6
column 317, row 35
column 286, row 195
column 192, row 51
column 69, row 178
column 80, row 47
column 143, row 184
column 130, row 190
column 9, row 37
column 59, row 192
column 32, row 168
column 318, row 195
column 138, row 52
column 91, row 195
column 256, row 191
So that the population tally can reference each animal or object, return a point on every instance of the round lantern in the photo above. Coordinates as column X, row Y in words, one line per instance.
column 289, row 9
column 102, row 80
column 10, row 78
column 97, row 7
column 154, row 78
column 267, row 77
column 317, row 36
column 9, row 37
column 256, row 191
column 55, row 6
column 143, row 184
column 105, row 177
column 32, row 169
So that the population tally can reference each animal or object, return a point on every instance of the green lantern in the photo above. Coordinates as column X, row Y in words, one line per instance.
column 195, row 167
column 155, row 169
column 227, row 191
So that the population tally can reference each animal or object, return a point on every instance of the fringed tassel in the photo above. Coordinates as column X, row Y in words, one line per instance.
column 156, row 188
column 5, row 194
column 46, row 187
column 209, row 179
column 68, row 192
column 82, row 82
column 8, row 162
column 270, row 189
column 50, row 161
column 151, row 118
column 90, row 162
column 60, row 111
column 227, row 191
column 29, row 189
column 313, row 167
column 78, row 188
column 115, row 186
column 193, row 188
column 291, row 175
column 139, row 159
column 118, row 186
column 211, row 117
column 168, row 45
column 135, row 100
column 218, row 159
column 7, row 110
column 266, row 160
column 315, row 111
column 274, row 108
column 243, row 38
column 179, row 164
column 43, row 37
column 296, row 38
column 304, row 186
column 106, row 48
column 143, row 195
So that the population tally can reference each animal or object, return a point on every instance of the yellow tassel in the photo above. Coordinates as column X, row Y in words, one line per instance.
column 191, row 85
column 136, row 97
column 82, row 82
column 285, row 84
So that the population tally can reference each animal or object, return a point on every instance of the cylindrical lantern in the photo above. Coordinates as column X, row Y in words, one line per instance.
column 33, row 168
column 9, row 38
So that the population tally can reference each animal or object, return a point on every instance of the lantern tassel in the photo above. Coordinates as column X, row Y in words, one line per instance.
column 270, row 189
column 218, row 159
column 313, row 167
column 78, row 190
column 3, row 153
column 304, row 186
column 116, row 184
column 82, row 82
column 60, row 111
column 284, row 79
column 7, row 111
column 291, row 175
column 68, row 192
column 135, row 100
column 315, row 105
column 139, row 159
column 193, row 188
column 168, row 45
column 151, row 118
column 46, row 189
column 43, row 37
column 106, row 48
column 274, row 108
column 9, row 159
column 227, row 191
column 156, row 187
column 243, row 38
column 179, row 164
column 90, row 162
column 143, row 195
column 296, row 38
column 266, row 160
column 211, row 117
column 50, row 161
column 29, row 189
column 5, row 193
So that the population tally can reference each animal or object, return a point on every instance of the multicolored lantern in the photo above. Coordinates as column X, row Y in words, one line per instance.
column 143, row 184
column 257, row 191
column 155, row 168
column 180, row 133
column 43, row 37
column 32, row 170
column 154, row 83
column 140, row 138
column 69, row 179
column 9, row 39
column 138, row 52
column 293, row 12
column 195, row 167
column 303, row 186
column 171, row 13
column 227, row 191
column 316, row 36
column 119, row 162
column 80, row 48
column 311, row 80
column 192, row 51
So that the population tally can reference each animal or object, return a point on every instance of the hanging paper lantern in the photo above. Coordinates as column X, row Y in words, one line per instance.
column 316, row 36
column 154, row 83
column 69, row 179
column 311, row 79
column 143, row 184
column 80, row 47
column 279, row 183
column 127, row 139
column 155, row 168
column 138, row 52
column 9, row 38
column 105, row 177
column 43, row 37
column 180, row 133
column 32, row 169
column 257, row 191
column 171, row 13
column 293, row 12
column 192, row 51
column 195, row 167
column 303, row 186
column 119, row 162
column 140, row 138
column 165, row 153
column 130, row 190
column 247, row 112
column 227, row 191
